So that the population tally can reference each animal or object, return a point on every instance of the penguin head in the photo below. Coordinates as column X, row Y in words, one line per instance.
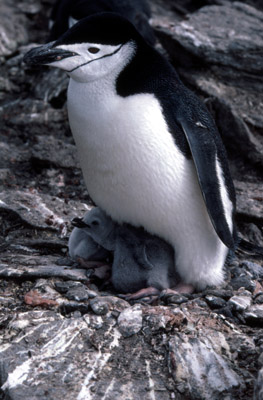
column 96, row 224
column 94, row 47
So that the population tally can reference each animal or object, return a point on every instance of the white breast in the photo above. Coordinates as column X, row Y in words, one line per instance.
column 134, row 171
column 127, row 155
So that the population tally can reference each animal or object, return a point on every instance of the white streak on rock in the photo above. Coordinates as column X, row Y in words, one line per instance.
column 18, row 376
column 100, row 361
column 151, row 381
column 108, row 390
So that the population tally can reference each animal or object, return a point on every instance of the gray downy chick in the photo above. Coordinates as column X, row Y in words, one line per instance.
column 140, row 260
column 81, row 244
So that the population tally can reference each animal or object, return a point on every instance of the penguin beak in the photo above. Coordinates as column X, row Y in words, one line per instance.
column 46, row 54
column 79, row 223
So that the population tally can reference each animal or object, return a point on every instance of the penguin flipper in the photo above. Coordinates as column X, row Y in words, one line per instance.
column 204, row 152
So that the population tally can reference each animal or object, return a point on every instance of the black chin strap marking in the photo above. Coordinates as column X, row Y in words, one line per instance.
column 88, row 62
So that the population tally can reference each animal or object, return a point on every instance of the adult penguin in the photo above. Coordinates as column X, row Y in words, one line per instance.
column 149, row 150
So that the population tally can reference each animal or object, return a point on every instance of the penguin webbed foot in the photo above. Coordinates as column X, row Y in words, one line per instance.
column 180, row 288
column 148, row 295
column 101, row 269
column 89, row 264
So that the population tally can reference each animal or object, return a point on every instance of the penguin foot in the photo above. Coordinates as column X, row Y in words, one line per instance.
column 91, row 264
column 180, row 288
column 101, row 270
column 151, row 292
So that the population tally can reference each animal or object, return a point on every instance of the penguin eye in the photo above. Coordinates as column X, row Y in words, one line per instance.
column 93, row 50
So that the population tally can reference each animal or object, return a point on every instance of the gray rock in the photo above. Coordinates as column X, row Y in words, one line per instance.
column 57, row 354
column 101, row 305
column 213, row 34
column 253, row 233
column 215, row 302
column 70, row 288
column 199, row 369
column 50, row 151
column 260, row 360
column 240, row 303
column 51, row 87
column 39, row 210
column 218, row 50
column 175, row 299
column 243, row 281
column 26, row 267
column 249, row 200
column 255, row 269
column 258, row 389
column 78, row 294
column 254, row 315
column 222, row 293
column 13, row 31
column 259, row 299
column 130, row 321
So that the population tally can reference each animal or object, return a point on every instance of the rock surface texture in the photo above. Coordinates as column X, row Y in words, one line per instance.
column 218, row 50
column 64, row 332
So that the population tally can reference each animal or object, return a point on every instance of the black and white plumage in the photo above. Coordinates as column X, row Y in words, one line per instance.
column 66, row 13
column 149, row 150
column 140, row 260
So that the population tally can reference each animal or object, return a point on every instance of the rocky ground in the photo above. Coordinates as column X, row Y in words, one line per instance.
column 65, row 334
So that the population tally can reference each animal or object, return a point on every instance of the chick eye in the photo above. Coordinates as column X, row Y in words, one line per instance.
column 93, row 50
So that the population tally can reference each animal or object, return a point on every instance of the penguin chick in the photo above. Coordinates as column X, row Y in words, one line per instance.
column 66, row 13
column 81, row 244
column 140, row 260
column 149, row 150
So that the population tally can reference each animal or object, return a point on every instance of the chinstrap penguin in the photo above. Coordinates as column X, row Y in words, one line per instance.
column 150, row 152
column 65, row 13
column 140, row 260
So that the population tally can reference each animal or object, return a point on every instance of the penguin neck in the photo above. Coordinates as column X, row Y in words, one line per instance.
column 96, row 90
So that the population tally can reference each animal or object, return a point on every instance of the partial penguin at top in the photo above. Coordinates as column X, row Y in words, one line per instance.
column 149, row 150
column 66, row 13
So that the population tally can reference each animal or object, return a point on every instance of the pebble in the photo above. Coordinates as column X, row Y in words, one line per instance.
column 259, row 299
column 99, row 306
column 215, row 302
column 63, row 287
column 243, row 281
column 73, row 307
column 77, row 294
column 254, row 315
column 260, row 360
column 130, row 320
column 176, row 299
column 223, row 293
column 258, row 388
column 225, row 311
column 255, row 269
column 240, row 303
